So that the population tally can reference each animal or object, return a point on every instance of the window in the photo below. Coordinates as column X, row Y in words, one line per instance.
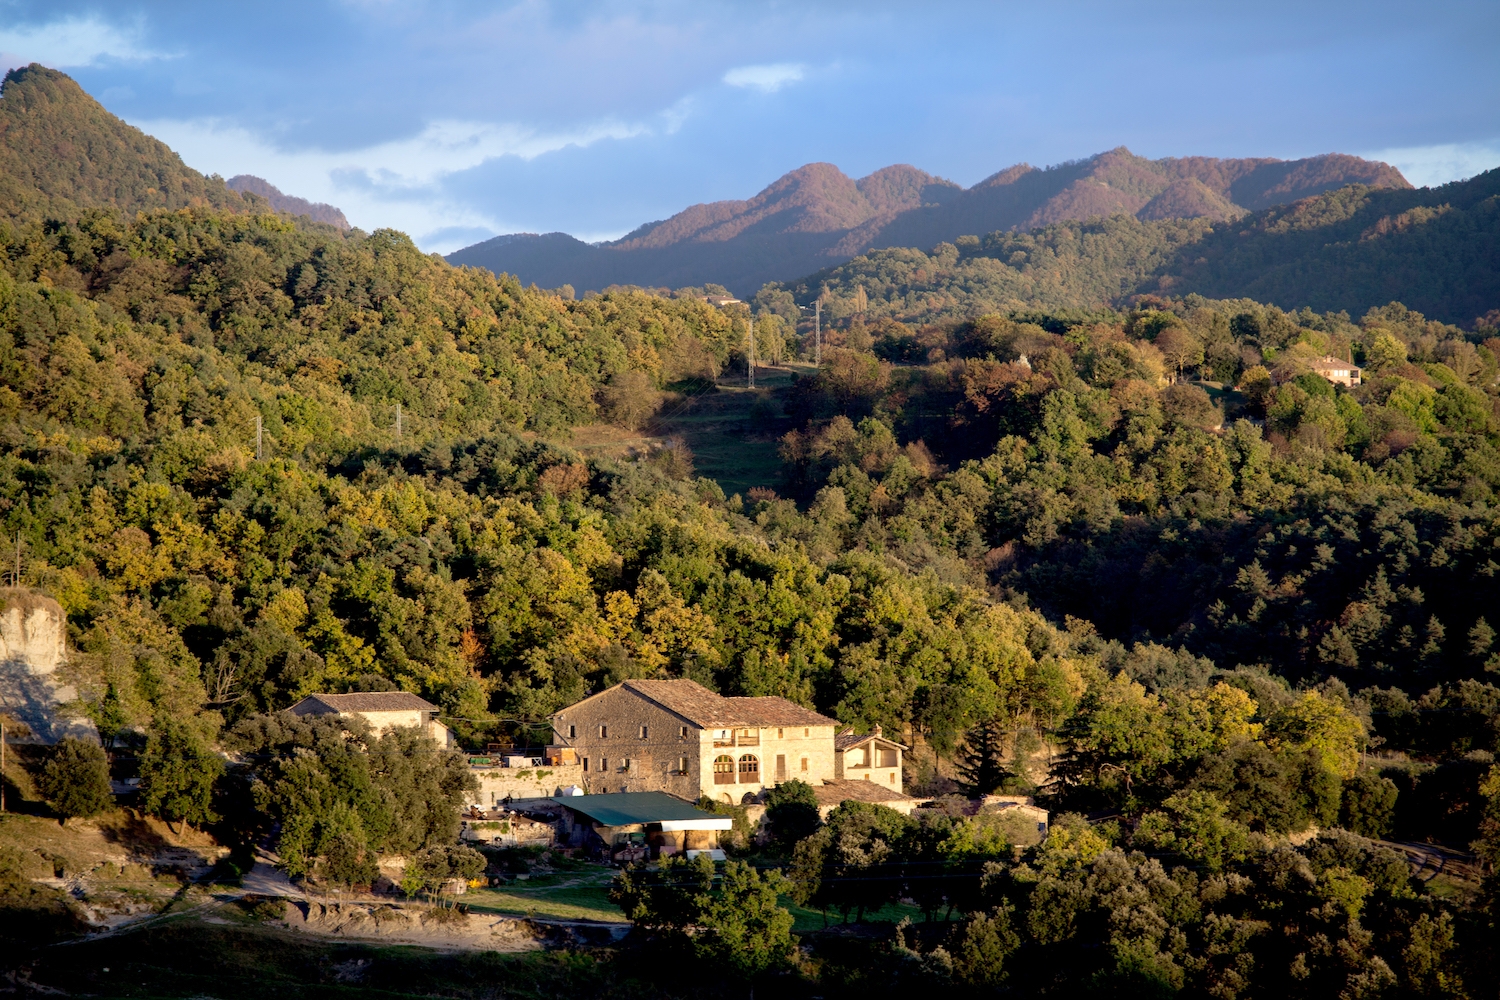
column 780, row 734
column 804, row 763
column 806, row 733
column 781, row 767
column 604, row 732
column 723, row 769
column 887, row 758
column 682, row 732
column 604, row 763
column 893, row 777
column 748, row 738
column 682, row 765
column 585, row 764
column 572, row 732
column 749, row 769
column 645, row 731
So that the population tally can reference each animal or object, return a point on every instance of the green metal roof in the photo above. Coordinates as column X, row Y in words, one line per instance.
column 629, row 808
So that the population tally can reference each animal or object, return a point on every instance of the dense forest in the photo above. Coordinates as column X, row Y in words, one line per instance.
column 1437, row 250
column 1228, row 620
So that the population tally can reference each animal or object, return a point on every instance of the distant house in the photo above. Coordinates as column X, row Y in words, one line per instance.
column 720, row 300
column 383, row 710
column 1337, row 371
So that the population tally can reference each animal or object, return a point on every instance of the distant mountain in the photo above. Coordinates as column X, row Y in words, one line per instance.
column 1437, row 250
column 816, row 217
column 61, row 151
column 290, row 204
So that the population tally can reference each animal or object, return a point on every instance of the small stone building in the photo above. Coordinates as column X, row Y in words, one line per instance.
column 868, row 757
column 383, row 710
column 677, row 736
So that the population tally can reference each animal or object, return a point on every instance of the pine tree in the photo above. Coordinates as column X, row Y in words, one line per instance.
column 981, row 762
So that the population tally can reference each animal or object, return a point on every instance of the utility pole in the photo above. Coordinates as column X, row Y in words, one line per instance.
column 818, row 331
column 258, row 452
column 398, row 421
column 752, row 352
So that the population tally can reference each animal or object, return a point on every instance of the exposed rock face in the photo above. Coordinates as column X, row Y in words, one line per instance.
column 33, row 644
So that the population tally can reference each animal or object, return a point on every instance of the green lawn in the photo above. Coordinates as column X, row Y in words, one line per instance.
column 805, row 919
column 564, row 902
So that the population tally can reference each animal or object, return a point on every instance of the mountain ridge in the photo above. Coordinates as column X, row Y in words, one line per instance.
column 318, row 211
column 816, row 216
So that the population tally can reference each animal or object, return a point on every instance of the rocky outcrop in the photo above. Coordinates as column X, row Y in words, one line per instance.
column 434, row 927
column 33, row 645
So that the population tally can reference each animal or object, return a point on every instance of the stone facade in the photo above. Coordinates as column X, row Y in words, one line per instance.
column 678, row 737
column 496, row 784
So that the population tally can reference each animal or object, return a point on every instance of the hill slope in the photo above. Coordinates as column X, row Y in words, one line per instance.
column 290, row 204
column 61, row 151
column 1437, row 250
column 816, row 216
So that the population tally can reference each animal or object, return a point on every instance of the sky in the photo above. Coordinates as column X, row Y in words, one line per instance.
column 455, row 122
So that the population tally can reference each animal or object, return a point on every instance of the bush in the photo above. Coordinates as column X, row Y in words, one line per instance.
column 76, row 779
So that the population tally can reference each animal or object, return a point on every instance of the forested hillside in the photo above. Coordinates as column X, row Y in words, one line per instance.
column 1232, row 624
column 1437, row 250
column 60, row 152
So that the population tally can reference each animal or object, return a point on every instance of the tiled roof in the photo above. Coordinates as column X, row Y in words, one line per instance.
column 704, row 708
column 835, row 790
column 364, row 701
column 850, row 740
column 1328, row 361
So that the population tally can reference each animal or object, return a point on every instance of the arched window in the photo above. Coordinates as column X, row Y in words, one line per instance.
column 723, row 769
column 749, row 769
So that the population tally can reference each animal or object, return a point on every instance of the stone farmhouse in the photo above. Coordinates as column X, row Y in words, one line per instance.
column 676, row 736
column 383, row 710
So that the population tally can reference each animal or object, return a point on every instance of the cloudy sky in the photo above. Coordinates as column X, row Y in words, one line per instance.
column 457, row 121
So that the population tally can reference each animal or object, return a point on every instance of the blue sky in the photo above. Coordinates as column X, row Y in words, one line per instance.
column 456, row 121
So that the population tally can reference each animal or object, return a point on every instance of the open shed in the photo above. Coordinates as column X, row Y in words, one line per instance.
column 632, row 826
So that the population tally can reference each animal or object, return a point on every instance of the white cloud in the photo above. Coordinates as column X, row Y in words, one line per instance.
column 72, row 42
column 1429, row 166
column 767, row 79
column 390, row 185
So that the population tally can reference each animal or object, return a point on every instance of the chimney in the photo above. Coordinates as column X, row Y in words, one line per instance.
column 875, row 730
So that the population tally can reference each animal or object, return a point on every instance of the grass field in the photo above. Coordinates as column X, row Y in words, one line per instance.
column 734, row 432
column 564, row 902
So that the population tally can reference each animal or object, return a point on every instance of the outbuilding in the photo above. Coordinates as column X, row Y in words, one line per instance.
column 634, row 826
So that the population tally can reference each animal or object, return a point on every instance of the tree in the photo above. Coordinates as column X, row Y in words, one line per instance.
column 178, row 772
column 1369, row 805
column 730, row 918
column 744, row 927
column 792, row 808
column 982, row 946
column 630, row 399
column 75, row 781
column 1180, row 349
column 981, row 762
column 428, row 870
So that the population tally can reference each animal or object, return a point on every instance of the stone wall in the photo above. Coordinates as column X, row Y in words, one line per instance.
column 632, row 762
column 816, row 748
column 33, row 645
column 498, row 783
